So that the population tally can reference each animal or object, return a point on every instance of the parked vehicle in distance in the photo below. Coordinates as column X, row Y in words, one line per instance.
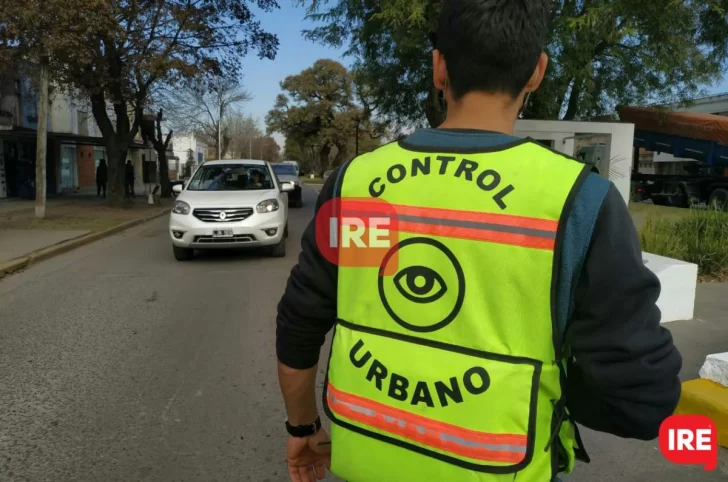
column 295, row 165
column 230, row 204
column 287, row 173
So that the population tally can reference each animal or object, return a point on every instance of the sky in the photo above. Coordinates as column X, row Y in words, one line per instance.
column 262, row 77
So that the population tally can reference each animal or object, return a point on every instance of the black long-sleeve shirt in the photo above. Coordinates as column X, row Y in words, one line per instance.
column 622, row 377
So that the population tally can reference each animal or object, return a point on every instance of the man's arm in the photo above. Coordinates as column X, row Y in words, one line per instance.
column 623, row 375
column 306, row 313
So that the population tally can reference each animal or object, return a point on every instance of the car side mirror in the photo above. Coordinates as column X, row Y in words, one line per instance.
column 287, row 187
column 177, row 188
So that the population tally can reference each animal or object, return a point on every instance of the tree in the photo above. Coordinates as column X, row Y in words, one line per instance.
column 242, row 130
column 39, row 37
column 151, row 128
column 266, row 148
column 130, row 46
column 318, row 111
column 206, row 107
column 603, row 52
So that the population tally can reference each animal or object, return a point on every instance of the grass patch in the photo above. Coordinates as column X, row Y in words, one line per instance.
column 699, row 237
column 83, row 216
column 641, row 211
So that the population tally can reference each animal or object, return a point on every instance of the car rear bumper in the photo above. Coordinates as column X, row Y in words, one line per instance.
column 252, row 232
column 296, row 194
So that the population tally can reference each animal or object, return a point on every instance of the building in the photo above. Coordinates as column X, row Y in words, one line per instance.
column 189, row 153
column 74, row 142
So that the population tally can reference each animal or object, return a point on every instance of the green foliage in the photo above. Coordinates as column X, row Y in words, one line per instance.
column 318, row 115
column 700, row 237
column 603, row 53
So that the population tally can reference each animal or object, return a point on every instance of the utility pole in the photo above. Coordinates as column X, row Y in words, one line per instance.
column 40, row 153
column 219, row 129
column 250, row 148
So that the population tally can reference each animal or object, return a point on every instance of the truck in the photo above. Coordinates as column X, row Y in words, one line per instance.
column 700, row 137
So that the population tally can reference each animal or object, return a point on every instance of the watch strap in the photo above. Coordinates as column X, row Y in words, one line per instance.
column 307, row 430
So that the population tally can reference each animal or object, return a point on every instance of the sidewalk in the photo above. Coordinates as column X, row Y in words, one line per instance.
column 71, row 221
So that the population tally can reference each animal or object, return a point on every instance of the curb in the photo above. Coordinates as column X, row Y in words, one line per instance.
column 16, row 264
column 705, row 397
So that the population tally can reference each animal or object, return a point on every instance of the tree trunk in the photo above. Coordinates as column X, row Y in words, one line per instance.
column 117, row 139
column 434, row 108
column 339, row 157
column 116, row 182
column 166, row 187
column 324, row 157
column 40, row 153
column 573, row 107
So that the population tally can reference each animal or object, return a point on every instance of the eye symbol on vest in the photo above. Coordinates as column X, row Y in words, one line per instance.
column 427, row 290
column 420, row 284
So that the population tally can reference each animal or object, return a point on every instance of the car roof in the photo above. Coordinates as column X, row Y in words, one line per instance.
column 253, row 162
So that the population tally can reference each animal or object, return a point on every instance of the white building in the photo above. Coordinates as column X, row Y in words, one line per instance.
column 187, row 149
column 81, row 152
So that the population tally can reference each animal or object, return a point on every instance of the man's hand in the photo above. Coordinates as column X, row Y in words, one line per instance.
column 309, row 457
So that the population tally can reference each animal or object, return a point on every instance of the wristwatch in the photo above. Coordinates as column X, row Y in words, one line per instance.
column 300, row 431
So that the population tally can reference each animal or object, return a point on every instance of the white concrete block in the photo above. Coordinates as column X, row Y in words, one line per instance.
column 716, row 368
column 678, row 280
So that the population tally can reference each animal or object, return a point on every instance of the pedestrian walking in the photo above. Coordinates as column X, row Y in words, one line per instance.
column 101, row 178
column 129, row 178
column 517, row 305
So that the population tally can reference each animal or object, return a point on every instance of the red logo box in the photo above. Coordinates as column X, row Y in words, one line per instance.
column 690, row 440
column 357, row 232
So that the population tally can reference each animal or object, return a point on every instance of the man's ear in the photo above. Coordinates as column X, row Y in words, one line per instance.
column 538, row 73
column 439, row 70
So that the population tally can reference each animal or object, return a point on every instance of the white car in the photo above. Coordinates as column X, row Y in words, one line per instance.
column 230, row 204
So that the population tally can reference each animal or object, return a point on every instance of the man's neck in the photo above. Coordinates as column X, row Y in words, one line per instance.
column 497, row 113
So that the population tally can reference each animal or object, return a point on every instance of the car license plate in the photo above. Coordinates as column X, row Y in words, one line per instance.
column 222, row 233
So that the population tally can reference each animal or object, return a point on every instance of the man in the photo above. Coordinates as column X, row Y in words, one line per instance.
column 520, row 305
column 101, row 178
column 129, row 178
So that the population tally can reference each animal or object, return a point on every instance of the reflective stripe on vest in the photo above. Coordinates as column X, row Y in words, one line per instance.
column 479, row 226
column 442, row 361
column 442, row 436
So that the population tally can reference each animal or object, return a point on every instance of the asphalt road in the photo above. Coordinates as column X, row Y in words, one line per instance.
column 118, row 363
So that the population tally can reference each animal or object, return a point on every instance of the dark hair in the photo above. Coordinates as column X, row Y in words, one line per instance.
column 492, row 45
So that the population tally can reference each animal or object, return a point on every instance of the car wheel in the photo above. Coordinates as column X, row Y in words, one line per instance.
column 183, row 254
column 285, row 231
column 279, row 250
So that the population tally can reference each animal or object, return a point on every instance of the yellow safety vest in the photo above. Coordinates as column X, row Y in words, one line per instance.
column 447, row 366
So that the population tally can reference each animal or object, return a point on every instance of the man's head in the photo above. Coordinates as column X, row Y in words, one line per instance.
column 491, row 46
